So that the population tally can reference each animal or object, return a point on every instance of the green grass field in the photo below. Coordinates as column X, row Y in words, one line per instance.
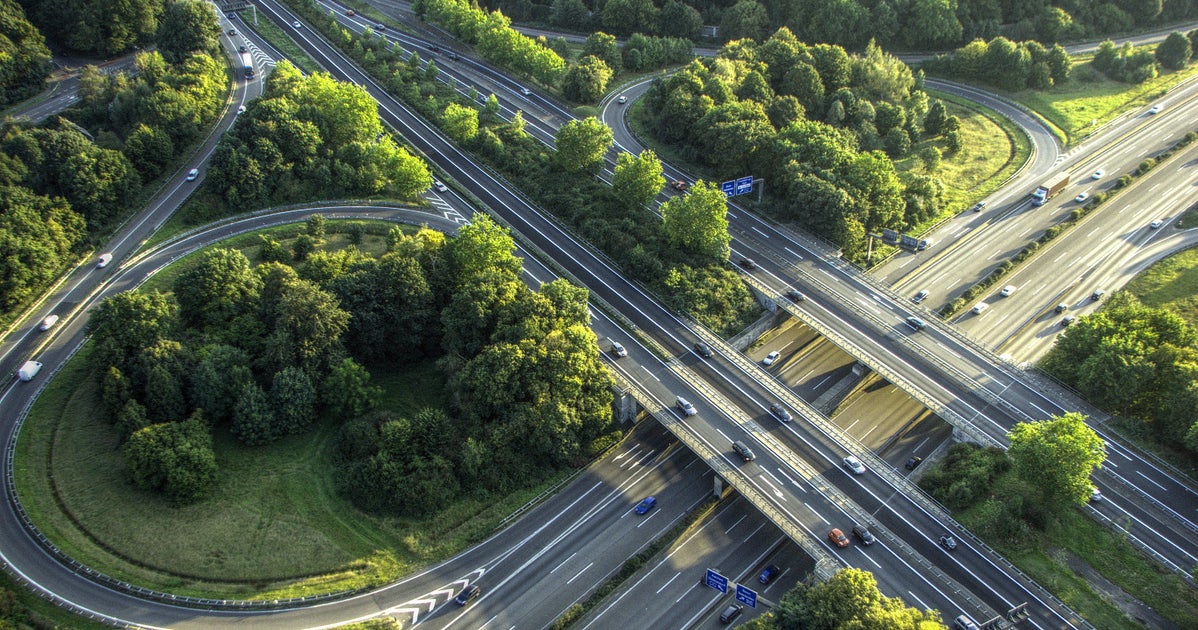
column 1171, row 283
column 274, row 527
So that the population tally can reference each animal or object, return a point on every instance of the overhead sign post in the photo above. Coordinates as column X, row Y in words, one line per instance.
column 746, row 596
column 729, row 187
column 744, row 185
column 716, row 581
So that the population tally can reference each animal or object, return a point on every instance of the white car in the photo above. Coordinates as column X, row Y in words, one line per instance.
column 439, row 187
column 1098, row 174
column 622, row 99
column 1007, row 290
column 103, row 261
column 193, row 174
column 1156, row 109
column 854, row 465
column 297, row 24
column 1081, row 197
column 1156, row 224
column 618, row 349
column 48, row 323
column 771, row 357
column 980, row 308
column 526, row 91
column 240, row 109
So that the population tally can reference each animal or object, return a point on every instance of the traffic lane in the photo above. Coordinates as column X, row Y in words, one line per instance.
column 734, row 540
column 882, row 416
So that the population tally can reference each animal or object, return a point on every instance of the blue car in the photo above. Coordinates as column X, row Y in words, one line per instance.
column 769, row 574
column 648, row 504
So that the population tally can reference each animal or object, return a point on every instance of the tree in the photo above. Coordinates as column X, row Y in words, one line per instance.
column 308, row 328
column 933, row 122
column 581, row 145
column 460, row 122
column 586, row 81
column 679, row 20
column 623, row 17
column 126, row 323
column 605, row 47
column 221, row 374
column 187, row 26
column 1057, row 457
column 221, row 285
column 482, row 246
column 253, row 417
column 1175, row 52
column 637, row 180
column 697, row 222
column 24, row 58
column 850, row 599
column 746, row 19
column 347, row 392
column 174, row 458
column 570, row 15
column 293, row 398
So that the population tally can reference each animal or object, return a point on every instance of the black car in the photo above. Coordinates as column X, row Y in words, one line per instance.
column 703, row 349
column 242, row 49
column 862, row 532
column 731, row 613
column 748, row 263
column 795, row 296
column 778, row 410
column 913, row 462
column 470, row 592
column 434, row 48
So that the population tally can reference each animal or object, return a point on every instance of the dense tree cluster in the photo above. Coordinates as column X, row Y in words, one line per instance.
column 1006, row 64
column 311, row 137
column 263, row 351
column 24, row 58
column 819, row 125
column 1135, row 360
column 849, row 599
column 911, row 25
column 493, row 38
column 99, row 27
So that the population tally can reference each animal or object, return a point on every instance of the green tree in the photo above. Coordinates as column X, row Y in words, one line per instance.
column 1057, row 457
column 347, row 392
column 307, row 329
column 24, row 59
column 623, row 17
column 130, row 419
column 126, row 323
column 586, row 81
column 1175, row 52
column 581, row 145
column 164, row 396
column 480, row 246
column 697, row 222
column 221, row 373
column 679, row 20
column 637, row 180
column 850, row 599
column 217, row 288
column 293, row 398
column 253, row 418
column 187, row 26
column 746, row 19
column 460, row 122
column 174, row 458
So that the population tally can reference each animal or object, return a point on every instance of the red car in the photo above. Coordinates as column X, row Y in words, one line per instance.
column 679, row 185
column 838, row 538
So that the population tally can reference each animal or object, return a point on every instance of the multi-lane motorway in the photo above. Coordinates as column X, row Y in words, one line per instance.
column 796, row 478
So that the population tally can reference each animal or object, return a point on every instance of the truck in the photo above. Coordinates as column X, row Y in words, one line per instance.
column 1050, row 188
column 247, row 64
column 28, row 370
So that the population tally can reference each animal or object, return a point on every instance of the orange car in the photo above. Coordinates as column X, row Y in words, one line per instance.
column 838, row 538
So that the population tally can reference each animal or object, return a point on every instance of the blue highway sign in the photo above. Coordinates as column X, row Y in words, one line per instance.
column 717, row 581
column 746, row 596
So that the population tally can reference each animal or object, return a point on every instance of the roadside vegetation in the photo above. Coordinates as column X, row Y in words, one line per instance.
column 25, row 60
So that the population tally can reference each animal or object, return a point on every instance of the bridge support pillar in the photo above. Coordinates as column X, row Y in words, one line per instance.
column 717, row 486
column 627, row 407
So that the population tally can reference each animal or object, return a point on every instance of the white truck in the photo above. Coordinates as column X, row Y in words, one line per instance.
column 28, row 370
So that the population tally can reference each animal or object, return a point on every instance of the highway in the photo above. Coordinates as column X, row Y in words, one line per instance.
column 729, row 385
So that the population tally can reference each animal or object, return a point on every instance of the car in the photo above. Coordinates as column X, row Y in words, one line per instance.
column 439, row 187
column 525, row 91
column 1095, row 494
column 703, row 349
column 1098, row 174
column 743, row 451
column 618, row 349
column 1068, row 319
column 350, row 12
column 687, row 408
column 240, row 109
column 913, row 463
column 769, row 573
column 771, row 357
column 434, row 48
column 838, row 538
column 297, row 24
column 193, row 174
column 980, row 308
column 1156, row 224
column 795, row 295
column 1081, row 197
column 924, row 244
column 646, row 504
column 1007, row 290
column 748, row 263
column 1062, row 307
column 232, row 32
column 242, row 48
column 916, row 323
column 963, row 622
column 470, row 592
column 103, row 261
column 854, row 465
column 1097, row 295
column 921, row 296
column 380, row 26
column 862, row 532
column 679, row 185
column 977, row 207
column 48, row 323
column 778, row 410
column 948, row 542
column 1155, row 109
column 623, row 99
column 453, row 55
column 731, row 613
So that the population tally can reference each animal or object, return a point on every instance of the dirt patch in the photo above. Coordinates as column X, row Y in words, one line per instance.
column 1139, row 612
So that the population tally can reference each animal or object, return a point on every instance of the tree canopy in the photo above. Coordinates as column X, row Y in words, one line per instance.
column 1057, row 457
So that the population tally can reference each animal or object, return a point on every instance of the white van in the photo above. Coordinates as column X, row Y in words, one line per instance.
column 48, row 323
column 980, row 308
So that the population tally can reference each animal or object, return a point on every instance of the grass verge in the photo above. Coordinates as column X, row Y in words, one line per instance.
column 21, row 608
